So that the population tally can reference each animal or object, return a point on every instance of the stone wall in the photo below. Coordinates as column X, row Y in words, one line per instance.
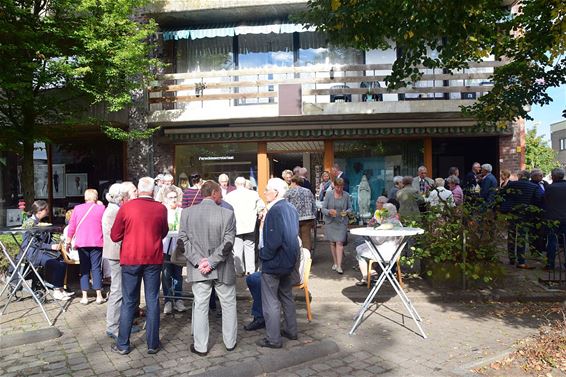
column 512, row 148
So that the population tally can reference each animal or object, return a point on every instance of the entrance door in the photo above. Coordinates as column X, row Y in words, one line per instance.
column 288, row 154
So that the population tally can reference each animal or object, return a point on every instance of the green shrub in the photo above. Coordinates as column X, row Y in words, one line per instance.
column 11, row 247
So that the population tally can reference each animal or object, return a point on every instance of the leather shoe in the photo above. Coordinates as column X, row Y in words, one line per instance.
column 193, row 350
column 525, row 267
column 288, row 335
column 114, row 348
column 232, row 348
column 256, row 324
column 153, row 351
column 266, row 343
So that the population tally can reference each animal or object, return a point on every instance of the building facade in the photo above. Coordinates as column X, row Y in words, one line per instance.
column 250, row 93
column 558, row 140
column 247, row 92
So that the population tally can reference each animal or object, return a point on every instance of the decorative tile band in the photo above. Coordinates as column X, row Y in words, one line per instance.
column 338, row 133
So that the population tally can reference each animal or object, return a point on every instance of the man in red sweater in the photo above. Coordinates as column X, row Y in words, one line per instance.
column 141, row 225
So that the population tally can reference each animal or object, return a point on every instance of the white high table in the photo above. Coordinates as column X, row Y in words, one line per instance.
column 386, row 262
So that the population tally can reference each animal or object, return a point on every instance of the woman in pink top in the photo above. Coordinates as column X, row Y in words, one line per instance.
column 86, row 227
column 454, row 186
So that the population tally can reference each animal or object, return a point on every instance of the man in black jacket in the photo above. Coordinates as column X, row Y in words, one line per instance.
column 519, row 197
column 538, row 237
column 555, row 209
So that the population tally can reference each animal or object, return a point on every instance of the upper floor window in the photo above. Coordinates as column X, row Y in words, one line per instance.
column 562, row 144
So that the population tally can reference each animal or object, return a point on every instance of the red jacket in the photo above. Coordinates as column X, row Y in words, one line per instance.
column 141, row 225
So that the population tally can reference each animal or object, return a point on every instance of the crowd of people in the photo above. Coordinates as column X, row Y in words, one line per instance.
column 227, row 231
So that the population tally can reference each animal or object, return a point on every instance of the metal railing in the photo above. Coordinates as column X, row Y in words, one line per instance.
column 319, row 84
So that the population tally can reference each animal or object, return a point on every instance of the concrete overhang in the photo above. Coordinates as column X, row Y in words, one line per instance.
column 180, row 13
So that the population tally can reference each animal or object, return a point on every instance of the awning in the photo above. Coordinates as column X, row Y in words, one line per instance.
column 231, row 30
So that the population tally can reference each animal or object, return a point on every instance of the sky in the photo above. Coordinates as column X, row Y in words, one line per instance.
column 546, row 115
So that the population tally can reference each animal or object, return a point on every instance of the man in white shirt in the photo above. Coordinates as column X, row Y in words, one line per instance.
column 247, row 207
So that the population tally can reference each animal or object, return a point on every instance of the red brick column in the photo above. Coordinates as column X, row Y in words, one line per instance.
column 512, row 148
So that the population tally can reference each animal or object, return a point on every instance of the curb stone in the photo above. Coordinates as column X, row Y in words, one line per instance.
column 276, row 360
column 29, row 337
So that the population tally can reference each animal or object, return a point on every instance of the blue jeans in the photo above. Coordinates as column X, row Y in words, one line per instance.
column 172, row 279
column 131, row 284
column 91, row 261
column 553, row 235
column 254, row 285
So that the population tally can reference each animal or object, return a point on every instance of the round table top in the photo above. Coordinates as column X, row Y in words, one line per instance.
column 395, row 232
column 35, row 229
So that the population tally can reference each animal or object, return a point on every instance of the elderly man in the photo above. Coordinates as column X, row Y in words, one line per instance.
column 118, row 194
column 337, row 173
column 488, row 184
column 303, row 200
column 303, row 172
column 141, row 225
column 158, row 183
column 555, row 210
column 421, row 182
column 471, row 179
column 225, row 186
column 167, row 186
column 207, row 231
column 519, row 196
column 279, row 253
column 247, row 207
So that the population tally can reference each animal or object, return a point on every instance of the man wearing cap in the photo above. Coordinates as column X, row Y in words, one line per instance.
column 279, row 253
column 158, row 184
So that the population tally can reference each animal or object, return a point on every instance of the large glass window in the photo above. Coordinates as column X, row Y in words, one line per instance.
column 315, row 49
column 211, row 160
column 379, row 161
column 263, row 51
column 206, row 54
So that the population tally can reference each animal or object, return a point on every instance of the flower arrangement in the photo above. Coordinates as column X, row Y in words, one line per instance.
column 381, row 215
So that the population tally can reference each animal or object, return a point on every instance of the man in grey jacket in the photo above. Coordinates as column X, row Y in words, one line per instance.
column 207, row 231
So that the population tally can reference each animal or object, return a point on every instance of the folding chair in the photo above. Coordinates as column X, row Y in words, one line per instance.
column 23, row 268
column 68, row 261
column 305, row 286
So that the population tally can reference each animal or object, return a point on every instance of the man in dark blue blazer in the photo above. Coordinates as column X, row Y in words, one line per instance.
column 518, row 198
column 555, row 210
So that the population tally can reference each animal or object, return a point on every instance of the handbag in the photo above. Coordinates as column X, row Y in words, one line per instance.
column 178, row 254
column 77, row 230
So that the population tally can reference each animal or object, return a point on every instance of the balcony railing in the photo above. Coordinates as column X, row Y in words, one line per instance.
column 319, row 84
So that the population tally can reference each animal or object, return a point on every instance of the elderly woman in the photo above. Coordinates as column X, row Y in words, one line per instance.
column 171, row 274
column 457, row 192
column 41, row 251
column 287, row 175
column 409, row 199
column 385, row 245
column 86, row 228
column 439, row 195
column 336, row 207
column 324, row 185
column 377, row 216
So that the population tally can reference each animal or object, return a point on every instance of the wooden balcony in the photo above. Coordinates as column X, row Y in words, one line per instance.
column 319, row 90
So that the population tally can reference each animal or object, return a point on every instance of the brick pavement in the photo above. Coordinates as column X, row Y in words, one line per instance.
column 460, row 333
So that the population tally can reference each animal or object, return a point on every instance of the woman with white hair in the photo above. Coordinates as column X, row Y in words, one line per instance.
column 86, row 228
column 385, row 245
column 439, row 195
column 116, row 196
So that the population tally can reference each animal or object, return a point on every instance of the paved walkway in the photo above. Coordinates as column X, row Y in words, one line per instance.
column 462, row 329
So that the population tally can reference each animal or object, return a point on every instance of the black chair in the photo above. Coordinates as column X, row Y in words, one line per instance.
column 371, row 97
column 342, row 97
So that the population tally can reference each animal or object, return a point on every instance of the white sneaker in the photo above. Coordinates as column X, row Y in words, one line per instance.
column 168, row 308
column 180, row 306
column 334, row 267
column 58, row 295
column 339, row 270
column 68, row 293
